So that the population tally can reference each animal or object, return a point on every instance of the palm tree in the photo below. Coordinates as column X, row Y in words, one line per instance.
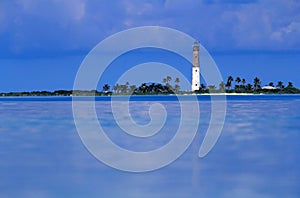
column 165, row 80
column 132, row 88
column 243, row 81
column 105, row 87
column 290, row 84
column 159, row 88
column 271, row 84
column 123, row 88
column 143, row 88
column 256, row 83
column 222, row 86
column 177, row 81
column 229, row 80
column 238, row 80
column 169, row 78
column 176, row 88
column 116, row 88
column 152, row 88
column 248, row 87
column 280, row 85
column 237, row 86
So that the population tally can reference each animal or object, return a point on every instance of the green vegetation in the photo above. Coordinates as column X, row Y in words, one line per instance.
column 255, row 88
column 232, row 85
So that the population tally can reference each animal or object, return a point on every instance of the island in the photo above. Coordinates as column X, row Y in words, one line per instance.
column 231, row 86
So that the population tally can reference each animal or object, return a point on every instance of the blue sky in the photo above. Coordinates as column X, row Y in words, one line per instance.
column 42, row 43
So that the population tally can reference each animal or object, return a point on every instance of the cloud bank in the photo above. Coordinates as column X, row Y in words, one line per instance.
column 54, row 27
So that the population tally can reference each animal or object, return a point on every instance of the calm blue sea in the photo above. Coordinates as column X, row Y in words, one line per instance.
column 257, row 154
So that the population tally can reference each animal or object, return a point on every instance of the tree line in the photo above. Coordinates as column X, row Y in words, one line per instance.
column 165, row 87
column 170, row 86
column 240, row 85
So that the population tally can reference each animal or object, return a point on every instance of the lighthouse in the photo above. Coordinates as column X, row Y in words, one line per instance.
column 196, row 67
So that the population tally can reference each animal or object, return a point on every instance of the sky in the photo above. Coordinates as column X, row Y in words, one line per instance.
column 43, row 43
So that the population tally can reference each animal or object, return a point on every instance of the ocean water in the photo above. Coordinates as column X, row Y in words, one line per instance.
column 257, row 154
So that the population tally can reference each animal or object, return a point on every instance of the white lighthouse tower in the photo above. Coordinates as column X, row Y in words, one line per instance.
column 196, row 67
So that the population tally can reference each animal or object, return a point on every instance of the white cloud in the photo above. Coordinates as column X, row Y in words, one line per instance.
column 292, row 28
column 30, row 25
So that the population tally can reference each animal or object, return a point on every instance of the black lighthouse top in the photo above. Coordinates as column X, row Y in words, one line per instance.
column 196, row 46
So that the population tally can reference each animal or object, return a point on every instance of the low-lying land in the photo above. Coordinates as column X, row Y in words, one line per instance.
column 167, row 88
